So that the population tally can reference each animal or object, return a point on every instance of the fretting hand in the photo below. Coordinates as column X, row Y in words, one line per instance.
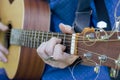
column 52, row 52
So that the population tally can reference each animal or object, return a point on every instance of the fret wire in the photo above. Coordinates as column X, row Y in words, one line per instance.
column 20, row 42
column 34, row 39
column 31, row 39
column 57, row 35
column 52, row 34
column 46, row 36
column 20, row 38
column 24, row 37
column 28, row 38
column 42, row 37
column 38, row 38
column 64, row 39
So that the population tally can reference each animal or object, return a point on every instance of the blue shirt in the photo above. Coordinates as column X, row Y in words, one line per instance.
column 64, row 11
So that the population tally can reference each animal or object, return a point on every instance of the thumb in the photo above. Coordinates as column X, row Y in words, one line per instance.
column 66, row 28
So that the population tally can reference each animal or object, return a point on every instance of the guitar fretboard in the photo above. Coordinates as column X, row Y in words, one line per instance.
column 33, row 39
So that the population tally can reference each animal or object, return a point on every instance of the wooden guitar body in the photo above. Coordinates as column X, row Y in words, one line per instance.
column 23, row 62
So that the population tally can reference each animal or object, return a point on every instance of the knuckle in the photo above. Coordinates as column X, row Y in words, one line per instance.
column 40, row 49
column 56, row 40
column 48, row 50
column 58, row 46
column 53, row 38
column 58, row 57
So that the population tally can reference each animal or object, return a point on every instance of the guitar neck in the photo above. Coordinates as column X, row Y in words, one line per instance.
column 108, row 49
column 33, row 39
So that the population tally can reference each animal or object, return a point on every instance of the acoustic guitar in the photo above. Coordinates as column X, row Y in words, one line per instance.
column 23, row 62
column 30, row 22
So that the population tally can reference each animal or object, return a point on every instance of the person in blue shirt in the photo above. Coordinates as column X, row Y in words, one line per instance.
column 62, row 18
column 63, row 12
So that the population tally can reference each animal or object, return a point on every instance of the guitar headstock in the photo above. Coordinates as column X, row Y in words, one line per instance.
column 101, row 48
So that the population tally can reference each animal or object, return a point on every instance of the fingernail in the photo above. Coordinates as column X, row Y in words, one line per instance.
column 61, row 24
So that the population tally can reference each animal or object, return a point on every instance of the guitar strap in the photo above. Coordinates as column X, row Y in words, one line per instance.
column 102, row 14
column 83, row 14
column 82, row 18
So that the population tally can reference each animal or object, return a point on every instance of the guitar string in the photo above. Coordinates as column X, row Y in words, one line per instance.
column 82, row 41
column 96, row 53
column 117, row 28
column 80, row 48
column 77, row 48
column 75, row 36
column 72, row 69
column 79, row 39
column 69, row 36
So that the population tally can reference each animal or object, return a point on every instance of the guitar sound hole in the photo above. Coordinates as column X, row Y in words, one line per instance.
column 11, row 1
column 7, row 36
